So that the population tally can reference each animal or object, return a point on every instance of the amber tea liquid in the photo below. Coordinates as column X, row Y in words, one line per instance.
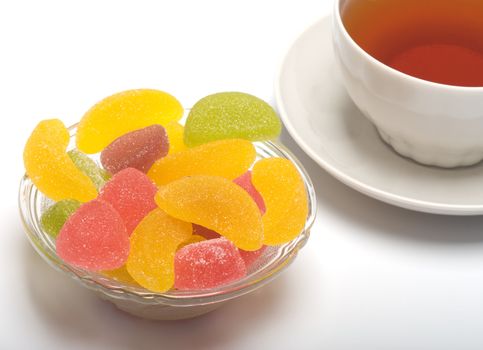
column 436, row 40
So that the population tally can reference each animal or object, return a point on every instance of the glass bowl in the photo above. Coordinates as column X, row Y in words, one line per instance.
column 173, row 304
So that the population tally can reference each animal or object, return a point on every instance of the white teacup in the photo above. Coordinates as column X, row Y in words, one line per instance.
column 432, row 123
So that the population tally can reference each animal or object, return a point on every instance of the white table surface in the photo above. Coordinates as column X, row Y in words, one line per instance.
column 372, row 276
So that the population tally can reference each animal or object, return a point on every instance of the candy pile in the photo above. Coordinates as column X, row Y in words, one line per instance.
column 169, row 206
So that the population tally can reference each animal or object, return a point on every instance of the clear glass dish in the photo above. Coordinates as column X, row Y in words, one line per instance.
column 173, row 304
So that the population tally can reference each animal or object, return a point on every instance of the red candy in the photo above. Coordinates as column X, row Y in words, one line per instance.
column 137, row 149
column 94, row 238
column 131, row 193
column 205, row 232
column 250, row 257
column 208, row 264
column 245, row 182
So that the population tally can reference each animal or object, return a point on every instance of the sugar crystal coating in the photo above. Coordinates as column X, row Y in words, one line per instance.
column 50, row 168
column 192, row 239
column 131, row 193
column 217, row 204
column 245, row 182
column 153, row 246
column 226, row 158
column 137, row 149
column 208, row 264
column 175, row 136
column 229, row 115
column 283, row 191
column 56, row 215
column 94, row 238
column 85, row 164
column 123, row 112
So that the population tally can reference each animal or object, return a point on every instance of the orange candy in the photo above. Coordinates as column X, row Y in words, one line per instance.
column 283, row 191
column 226, row 158
column 49, row 166
column 153, row 245
column 215, row 203
column 125, row 111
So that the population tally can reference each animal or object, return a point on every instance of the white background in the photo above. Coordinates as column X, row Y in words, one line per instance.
column 371, row 277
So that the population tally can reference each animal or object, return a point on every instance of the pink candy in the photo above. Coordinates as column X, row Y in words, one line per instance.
column 94, row 238
column 131, row 193
column 245, row 182
column 138, row 149
column 207, row 264
column 250, row 257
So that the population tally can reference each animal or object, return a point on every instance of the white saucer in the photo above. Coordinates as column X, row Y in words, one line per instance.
column 322, row 119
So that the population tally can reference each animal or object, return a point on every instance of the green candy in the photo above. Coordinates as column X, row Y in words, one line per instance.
column 55, row 216
column 229, row 115
column 98, row 175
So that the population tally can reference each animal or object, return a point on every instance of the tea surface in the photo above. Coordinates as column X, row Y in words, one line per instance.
column 435, row 40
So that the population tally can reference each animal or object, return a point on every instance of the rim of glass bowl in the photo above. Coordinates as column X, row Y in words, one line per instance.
column 30, row 205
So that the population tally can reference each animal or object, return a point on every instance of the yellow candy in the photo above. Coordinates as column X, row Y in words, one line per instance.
column 191, row 240
column 175, row 133
column 226, row 158
column 50, row 168
column 153, row 245
column 283, row 191
column 123, row 112
column 215, row 203
column 121, row 275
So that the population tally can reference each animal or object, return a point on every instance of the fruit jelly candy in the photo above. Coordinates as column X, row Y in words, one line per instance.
column 207, row 265
column 205, row 232
column 283, row 191
column 50, row 168
column 123, row 112
column 245, row 182
column 226, row 158
column 153, row 246
column 175, row 136
column 131, row 193
column 192, row 239
column 229, row 115
column 85, row 164
column 94, row 238
column 217, row 204
column 250, row 257
column 55, row 216
column 121, row 275
column 137, row 149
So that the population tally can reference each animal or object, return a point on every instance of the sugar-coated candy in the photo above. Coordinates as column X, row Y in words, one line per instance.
column 226, row 158
column 50, row 168
column 175, row 136
column 217, row 204
column 85, row 164
column 229, row 115
column 208, row 264
column 123, row 112
column 283, row 191
column 94, row 238
column 245, row 182
column 131, row 193
column 137, row 149
column 250, row 257
column 192, row 239
column 205, row 232
column 153, row 246
column 121, row 275
column 56, row 215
